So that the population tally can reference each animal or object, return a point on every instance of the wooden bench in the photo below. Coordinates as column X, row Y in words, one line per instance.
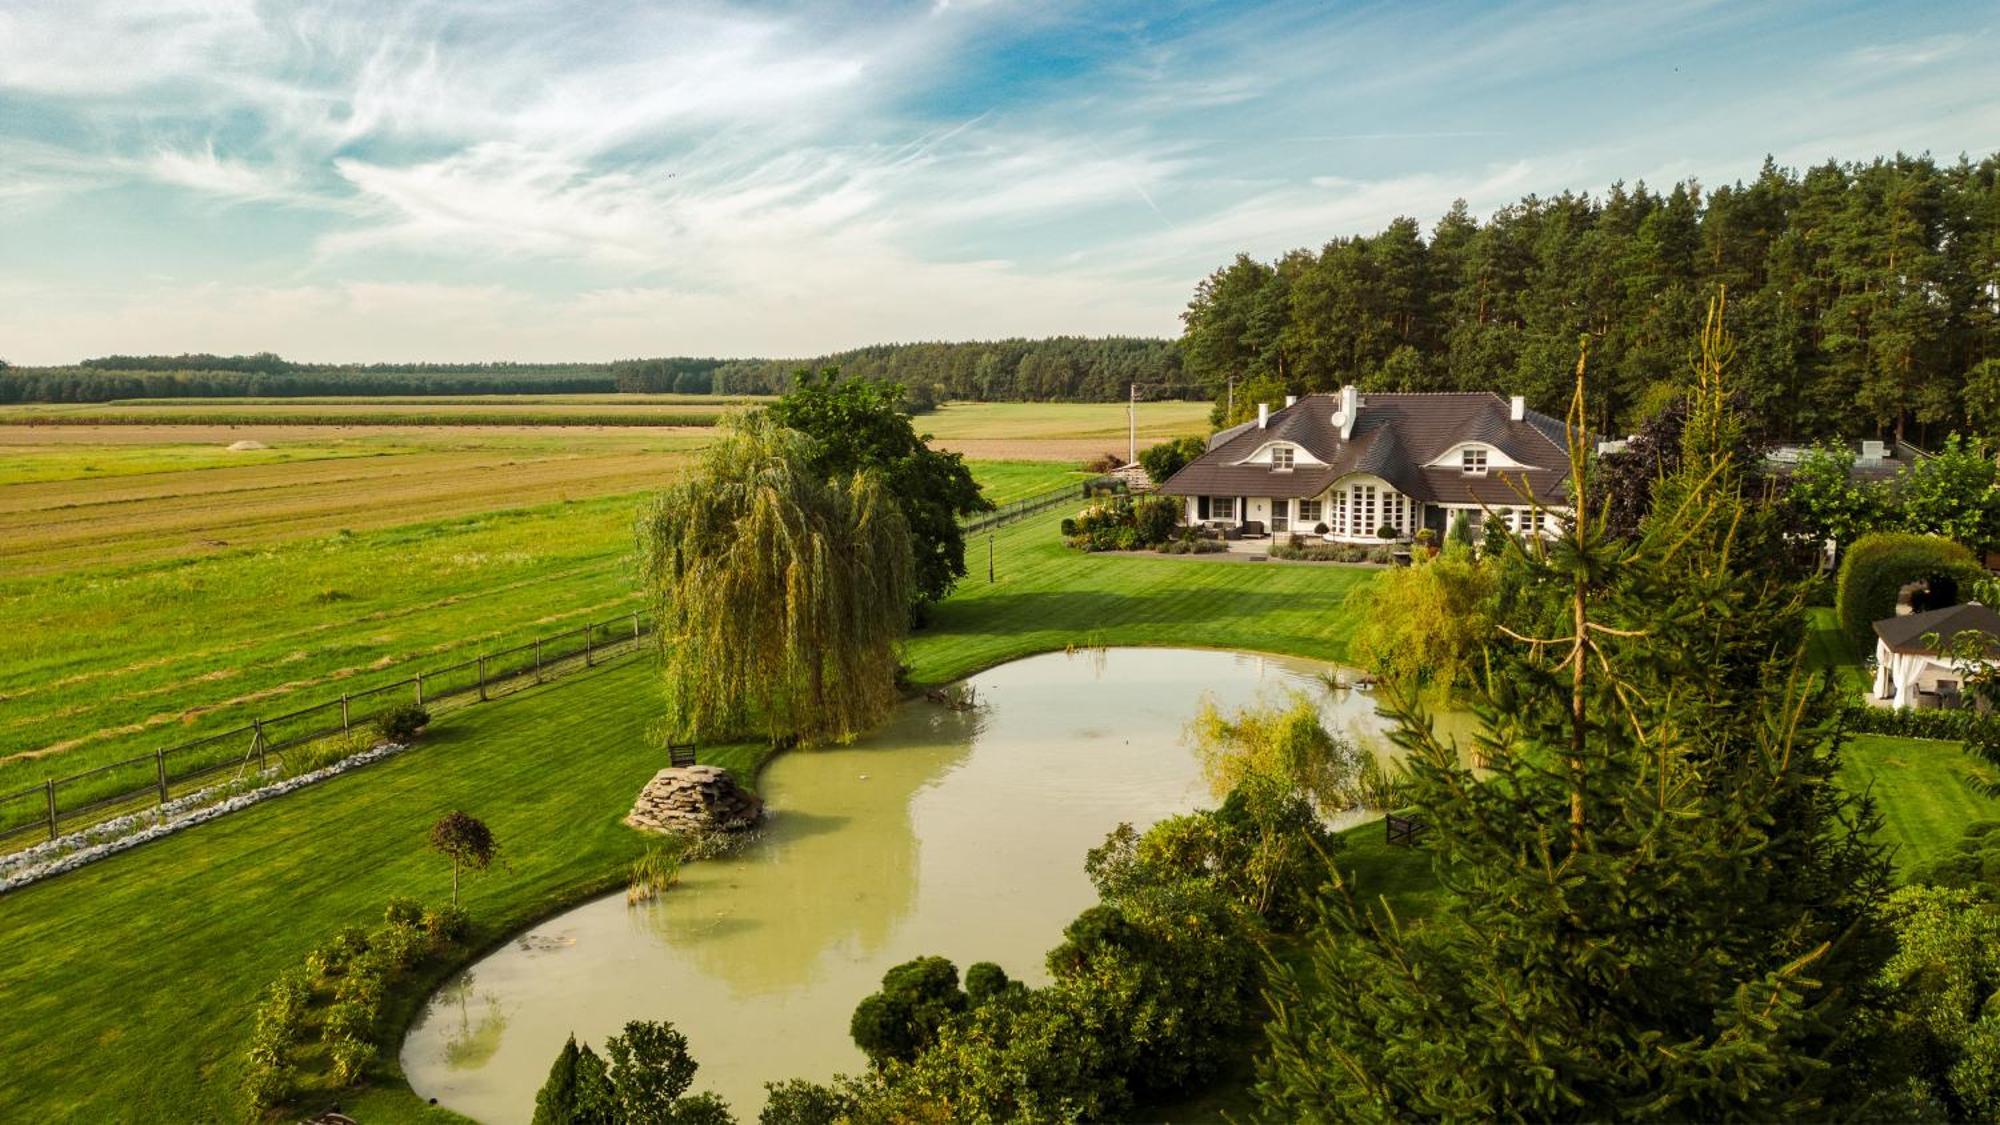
column 1404, row 830
column 680, row 754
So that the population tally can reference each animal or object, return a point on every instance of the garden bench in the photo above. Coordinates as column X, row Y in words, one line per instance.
column 1404, row 830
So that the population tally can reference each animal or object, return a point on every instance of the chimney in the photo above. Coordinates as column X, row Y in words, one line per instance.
column 1291, row 400
column 1350, row 409
column 1263, row 415
column 1517, row 408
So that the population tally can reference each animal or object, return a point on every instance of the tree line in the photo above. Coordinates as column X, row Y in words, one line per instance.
column 1062, row 368
column 1056, row 369
column 1865, row 298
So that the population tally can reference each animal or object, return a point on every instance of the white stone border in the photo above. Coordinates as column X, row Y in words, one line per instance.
column 67, row 853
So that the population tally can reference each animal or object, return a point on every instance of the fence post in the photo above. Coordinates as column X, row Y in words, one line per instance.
column 420, row 689
column 635, row 624
column 587, row 630
column 257, row 742
column 482, row 677
column 538, row 660
column 49, row 787
column 343, row 712
column 160, row 769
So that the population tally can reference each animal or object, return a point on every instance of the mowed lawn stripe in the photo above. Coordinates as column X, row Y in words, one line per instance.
column 1048, row 596
column 131, row 981
column 1927, row 791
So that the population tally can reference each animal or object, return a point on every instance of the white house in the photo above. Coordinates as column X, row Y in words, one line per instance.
column 1913, row 661
column 1358, row 464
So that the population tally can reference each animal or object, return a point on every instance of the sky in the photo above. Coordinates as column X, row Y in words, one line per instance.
column 540, row 180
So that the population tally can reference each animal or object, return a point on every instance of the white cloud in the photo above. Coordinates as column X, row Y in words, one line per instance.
column 541, row 179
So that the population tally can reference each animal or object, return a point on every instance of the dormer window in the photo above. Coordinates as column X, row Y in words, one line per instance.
column 1281, row 458
column 1474, row 462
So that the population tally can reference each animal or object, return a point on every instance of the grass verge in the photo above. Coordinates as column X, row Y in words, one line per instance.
column 131, row 982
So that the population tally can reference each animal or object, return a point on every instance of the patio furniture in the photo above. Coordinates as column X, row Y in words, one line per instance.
column 1232, row 533
column 1254, row 529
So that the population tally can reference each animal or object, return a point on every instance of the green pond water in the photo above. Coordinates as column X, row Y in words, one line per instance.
column 954, row 833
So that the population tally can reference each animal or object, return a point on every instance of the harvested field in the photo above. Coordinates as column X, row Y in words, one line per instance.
column 53, row 524
column 1051, row 421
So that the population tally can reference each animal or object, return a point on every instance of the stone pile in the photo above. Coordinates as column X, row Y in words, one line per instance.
column 693, row 801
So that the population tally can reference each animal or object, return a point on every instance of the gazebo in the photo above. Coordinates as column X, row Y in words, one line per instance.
column 1914, row 653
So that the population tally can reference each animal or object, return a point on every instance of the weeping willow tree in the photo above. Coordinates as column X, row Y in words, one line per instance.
column 780, row 594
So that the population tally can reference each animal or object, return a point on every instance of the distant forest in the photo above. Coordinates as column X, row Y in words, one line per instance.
column 1063, row 368
column 1865, row 300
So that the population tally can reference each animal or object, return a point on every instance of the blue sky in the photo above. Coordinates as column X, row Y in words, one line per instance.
column 507, row 179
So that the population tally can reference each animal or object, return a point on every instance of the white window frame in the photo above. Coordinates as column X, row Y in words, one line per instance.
column 1281, row 458
column 1222, row 507
column 1472, row 461
column 1310, row 513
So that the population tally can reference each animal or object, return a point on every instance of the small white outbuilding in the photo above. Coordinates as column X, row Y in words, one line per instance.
column 1913, row 667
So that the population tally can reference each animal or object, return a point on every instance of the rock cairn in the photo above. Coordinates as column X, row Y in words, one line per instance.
column 694, row 800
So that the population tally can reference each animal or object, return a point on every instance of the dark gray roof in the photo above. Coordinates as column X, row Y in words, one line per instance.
column 1909, row 632
column 1395, row 435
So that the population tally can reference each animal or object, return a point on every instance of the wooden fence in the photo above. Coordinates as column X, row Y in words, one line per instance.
column 1036, row 502
column 81, row 799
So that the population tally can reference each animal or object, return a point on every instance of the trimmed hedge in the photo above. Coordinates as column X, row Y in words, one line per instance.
column 1950, row 726
column 1880, row 564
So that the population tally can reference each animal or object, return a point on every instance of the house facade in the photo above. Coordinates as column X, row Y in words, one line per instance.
column 1375, row 466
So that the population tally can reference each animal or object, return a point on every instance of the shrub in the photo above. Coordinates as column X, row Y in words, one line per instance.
column 365, row 982
column 1950, row 726
column 1879, row 565
column 281, row 1017
column 333, row 958
column 402, row 910
column 916, row 999
column 348, row 1020
column 1155, row 518
column 1386, row 531
column 266, row 1085
column 799, row 1102
column 1068, row 532
column 449, row 924
column 1320, row 529
column 349, row 1056
column 403, row 722
column 398, row 947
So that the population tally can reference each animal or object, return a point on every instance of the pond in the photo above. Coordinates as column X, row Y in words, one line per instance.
column 955, row 833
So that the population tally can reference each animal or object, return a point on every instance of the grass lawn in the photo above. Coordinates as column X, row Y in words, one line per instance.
column 1828, row 646
column 112, row 658
column 130, row 982
column 1925, row 790
column 1046, row 596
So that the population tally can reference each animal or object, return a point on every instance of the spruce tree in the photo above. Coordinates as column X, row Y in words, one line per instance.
column 1662, row 904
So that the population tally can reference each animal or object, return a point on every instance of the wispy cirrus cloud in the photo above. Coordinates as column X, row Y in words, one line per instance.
column 542, row 178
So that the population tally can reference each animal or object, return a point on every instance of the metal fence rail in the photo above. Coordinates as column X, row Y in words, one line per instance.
column 117, row 788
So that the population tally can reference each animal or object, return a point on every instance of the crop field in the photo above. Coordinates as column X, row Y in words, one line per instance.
column 148, row 607
column 49, row 525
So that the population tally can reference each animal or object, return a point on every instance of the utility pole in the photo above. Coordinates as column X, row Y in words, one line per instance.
column 989, row 556
column 1132, row 423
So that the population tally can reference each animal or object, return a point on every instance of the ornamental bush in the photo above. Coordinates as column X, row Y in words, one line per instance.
column 1877, row 566
column 403, row 723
